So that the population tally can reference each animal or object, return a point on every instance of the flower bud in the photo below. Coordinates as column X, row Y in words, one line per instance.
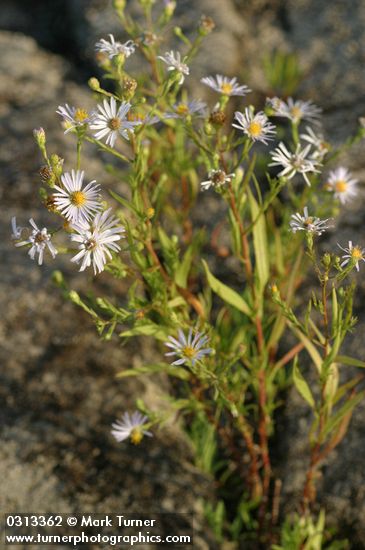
column 40, row 137
column 150, row 213
column 129, row 87
column 206, row 25
column 217, row 118
column 119, row 5
column 94, row 84
column 326, row 260
column 56, row 164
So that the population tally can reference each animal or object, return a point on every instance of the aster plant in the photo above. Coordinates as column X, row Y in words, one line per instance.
column 222, row 217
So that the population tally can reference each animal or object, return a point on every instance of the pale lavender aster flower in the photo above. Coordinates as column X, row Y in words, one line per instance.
column 97, row 239
column 130, row 426
column 39, row 239
column 255, row 126
column 112, row 47
column 183, row 109
column 75, row 202
column 354, row 254
column 294, row 110
column 175, row 63
column 294, row 163
column 309, row 223
column 225, row 85
column 111, row 121
column 342, row 184
column 74, row 117
column 317, row 140
column 188, row 349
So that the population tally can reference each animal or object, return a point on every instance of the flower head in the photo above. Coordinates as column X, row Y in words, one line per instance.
column 342, row 184
column 256, row 126
column 311, row 224
column 74, row 117
column 111, row 121
column 317, row 140
column 97, row 239
column 217, row 178
column 294, row 110
column 175, row 63
column 113, row 48
column 354, row 254
column 75, row 202
column 294, row 163
column 39, row 239
column 182, row 109
column 188, row 349
column 225, row 85
column 132, row 426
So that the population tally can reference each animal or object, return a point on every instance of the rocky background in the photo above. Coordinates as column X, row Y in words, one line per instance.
column 58, row 388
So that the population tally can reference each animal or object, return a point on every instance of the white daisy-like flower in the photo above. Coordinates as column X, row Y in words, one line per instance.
column 74, row 117
column 255, row 126
column 317, row 140
column 97, row 239
column 112, row 47
column 294, row 110
column 188, row 349
column 175, row 63
column 75, row 202
column 130, row 426
column 16, row 230
column 312, row 224
column 354, row 254
column 225, row 85
column 294, row 163
column 183, row 109
column 217, row 178
column 112, row 121
column 342, row 184
column 39, row 239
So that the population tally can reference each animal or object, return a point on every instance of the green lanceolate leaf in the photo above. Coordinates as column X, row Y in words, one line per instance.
column 147, row 329
column 171, row 370
column 259, row 242
column 227, row 294
column 345, row 360
column 302, row 386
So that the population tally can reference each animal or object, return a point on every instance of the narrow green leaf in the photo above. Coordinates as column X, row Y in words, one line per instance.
column 345, row 360
column 182, row 272
column 346, row 408
column 124, row 202
column 227, row 294
column 171, row 370
column 147, row 329
column 259, row 242
column 302, row 386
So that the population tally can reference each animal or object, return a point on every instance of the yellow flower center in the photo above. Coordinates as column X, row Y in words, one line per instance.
column 78, row 198
column 182, row 109
column 114, row 123
column 296, row 112
column 226, row 88
column 308, row 221
column 189, row 352
column 341, row 186
column 136, row 436
column 40, row 238
column 255, row 129
column 356, row 253
column 81, row 115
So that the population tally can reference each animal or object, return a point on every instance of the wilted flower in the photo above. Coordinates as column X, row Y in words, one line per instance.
column 353, row 254
column 217, row 178
column 130, row 425
column 342, row 184
column 96, row 240
column 175, row 63
column 294, row 110
column 308, row 223
column 225, row 85
column 294, row 163
column 188, row 349
column 73, row 117
column 112, row 121
column 113, row 48
column 39, row 239
column 73, row 201
column 317, row 140
column 256, row 126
